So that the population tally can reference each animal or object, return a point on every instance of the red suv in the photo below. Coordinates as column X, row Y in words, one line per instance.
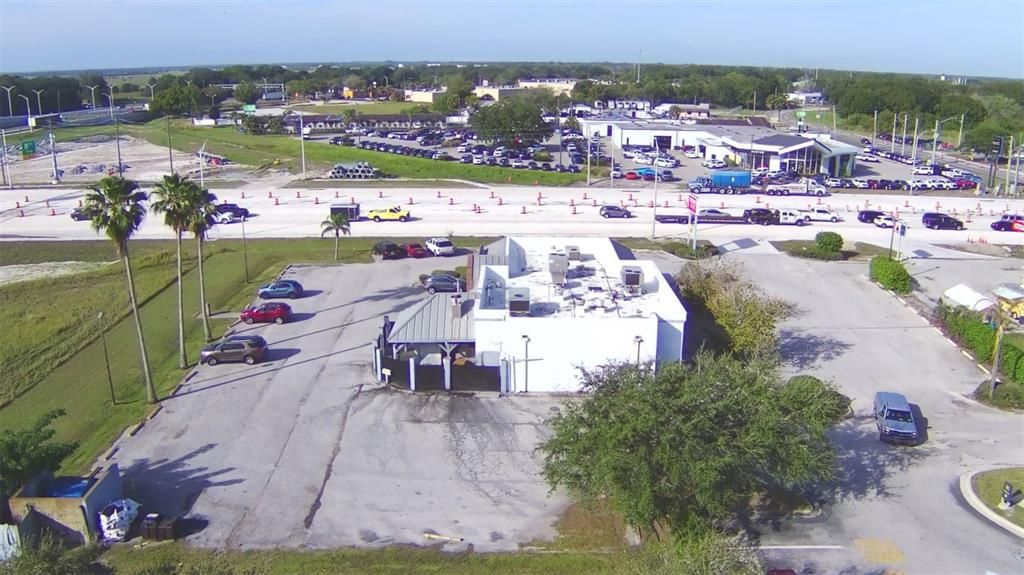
column 267, row 312
column 415, row 251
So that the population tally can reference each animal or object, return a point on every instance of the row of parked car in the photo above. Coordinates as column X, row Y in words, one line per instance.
column 645, row 174
column 405, row 150
column 389, row 250
column 915, row 184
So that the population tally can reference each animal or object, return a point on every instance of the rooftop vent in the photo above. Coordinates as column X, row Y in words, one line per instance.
column 518, row 302
column 573, row 252
column 558, row 265
column 632, row 276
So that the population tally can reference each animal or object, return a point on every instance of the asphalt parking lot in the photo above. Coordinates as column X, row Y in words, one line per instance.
column 306, row 449
column 857, row 335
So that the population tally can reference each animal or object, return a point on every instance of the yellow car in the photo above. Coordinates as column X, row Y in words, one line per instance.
column 391, row 214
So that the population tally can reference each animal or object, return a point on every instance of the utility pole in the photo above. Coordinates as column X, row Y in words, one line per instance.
column 654, row 212
column 1009, row 162
column 960, row 137
column 935, row 141
column 53, row 154
column 874, row 132
column 589, row 144
column 3, row 159
column 302, row 145
column 754, row 110
column 202, row 160
column 640, row 56
column 903, row 140
column 117, row 139
column 916, row 121
column 170, row 153
column 833, row 119
column 892, row 137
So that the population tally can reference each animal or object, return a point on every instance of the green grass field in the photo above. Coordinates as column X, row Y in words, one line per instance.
column 989, row 487
column 49, row 348
column 362, row 108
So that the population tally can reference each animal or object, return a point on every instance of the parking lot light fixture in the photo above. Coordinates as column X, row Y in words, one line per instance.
column 10, row 106
column 935, row 140
column 638, row 340
column 526, row 363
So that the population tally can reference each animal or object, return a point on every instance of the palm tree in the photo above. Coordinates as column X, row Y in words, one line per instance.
column 336, row 224
column 115, row 208
column 173, row 198
column 203, row 213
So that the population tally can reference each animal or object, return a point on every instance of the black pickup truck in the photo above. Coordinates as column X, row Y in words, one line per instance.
column 702, row 218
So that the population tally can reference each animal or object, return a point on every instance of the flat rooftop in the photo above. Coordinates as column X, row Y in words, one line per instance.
column 578, row 277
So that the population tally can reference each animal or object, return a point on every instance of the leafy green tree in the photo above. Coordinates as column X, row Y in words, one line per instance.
column 354, row 82
column 173, row 197
column 176, row 100
column 710, row 553
column 459, row 86
column 682, row 447
column 204, row 210
column 571, row 123
column 777, row 102
column 510, row 121
column 336, row 224
column 116, row 207
column 247, row 93
column 26, row 453
column 48, row 556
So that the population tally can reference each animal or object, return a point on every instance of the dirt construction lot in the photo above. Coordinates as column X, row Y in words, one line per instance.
column 306, row 449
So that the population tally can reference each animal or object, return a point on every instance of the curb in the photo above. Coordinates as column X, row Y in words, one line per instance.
column 967, row 490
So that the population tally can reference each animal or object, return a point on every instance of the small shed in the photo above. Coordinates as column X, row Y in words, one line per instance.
column 68, row 505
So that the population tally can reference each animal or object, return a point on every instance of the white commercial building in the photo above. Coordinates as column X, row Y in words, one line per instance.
column 537, row 311
column 749, row 144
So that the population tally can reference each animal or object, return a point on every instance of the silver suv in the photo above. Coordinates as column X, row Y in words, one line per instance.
column 894, row 418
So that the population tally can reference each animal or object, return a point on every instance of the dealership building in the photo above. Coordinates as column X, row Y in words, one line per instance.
column 537, row 311
column 747, row 142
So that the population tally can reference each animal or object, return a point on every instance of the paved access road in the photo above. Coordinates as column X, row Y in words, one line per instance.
column 307, row 449
column 894, row 507
column 281, row 212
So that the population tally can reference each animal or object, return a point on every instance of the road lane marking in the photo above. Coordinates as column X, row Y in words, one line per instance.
column 800, row 547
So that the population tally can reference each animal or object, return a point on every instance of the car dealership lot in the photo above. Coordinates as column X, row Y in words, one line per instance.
column 857, row 335
column 306, row 449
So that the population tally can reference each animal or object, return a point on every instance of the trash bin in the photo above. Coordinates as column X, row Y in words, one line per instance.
column 150, row 526
column 167, row 530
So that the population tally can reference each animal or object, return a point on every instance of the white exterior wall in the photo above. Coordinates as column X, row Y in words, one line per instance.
column 560, row 347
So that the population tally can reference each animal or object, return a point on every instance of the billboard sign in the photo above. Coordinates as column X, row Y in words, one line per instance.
column 691, row 203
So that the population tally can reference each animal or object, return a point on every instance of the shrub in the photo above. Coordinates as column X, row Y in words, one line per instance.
column 816, row 253
column 828, row 241
column 688, row 253
column 890, row 273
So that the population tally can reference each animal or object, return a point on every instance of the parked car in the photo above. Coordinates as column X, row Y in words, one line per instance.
column 444, row 283
column 440, row 246
column 884, row 221
column 716, row 164
column 249, row 351
column 610, row 211
column 757, row 215
column 631, row 175
column 413, row 250
column 288, row 289
column 1009, row 223
column 942, row 222
column 79, row 214
column 616, row 173
column 894, row 419
column 388, row 250
column 868, row 158
column 268, row 312
column 868, row 216
column 692, row 154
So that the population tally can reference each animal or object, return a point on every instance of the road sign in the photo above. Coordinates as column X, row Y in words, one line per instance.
column 801, row 114
column 28, row 147
column 691, row 203
column 903, row 229
column 249, row 108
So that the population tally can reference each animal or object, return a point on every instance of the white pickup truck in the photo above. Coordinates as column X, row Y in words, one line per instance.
column 820, row 215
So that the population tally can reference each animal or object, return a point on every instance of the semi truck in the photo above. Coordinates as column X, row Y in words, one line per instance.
column 722, row 181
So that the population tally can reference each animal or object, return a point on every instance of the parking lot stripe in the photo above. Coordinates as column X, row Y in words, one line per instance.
column 983, row 368
column 951, row 342
column 967, row 355
column 938, row 331
column 784, row 547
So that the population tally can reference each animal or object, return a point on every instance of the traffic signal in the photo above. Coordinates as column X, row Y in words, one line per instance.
column 997, row 146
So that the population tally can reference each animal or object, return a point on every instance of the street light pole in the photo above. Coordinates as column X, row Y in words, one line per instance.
column 170, row 152
column 117, row 140
column 92, row 90
column 7, row 170
column 960, row 136
column 638, row 341
column 151, row 86
column 39, row 101
column 111, row 98
column 106, row 358
column 874, row 133
column 202, row 160
column 53, row 155
column 245, row 252
column 903, row 140
column 526, row 363
column 916, row 122
column 654, row 212
column 28, row 106
column 10, row 106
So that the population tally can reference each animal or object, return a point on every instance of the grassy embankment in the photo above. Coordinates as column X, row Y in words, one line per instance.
column 50, row 349
column 989, row 487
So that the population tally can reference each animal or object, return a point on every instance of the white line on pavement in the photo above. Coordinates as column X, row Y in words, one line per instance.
column 797, row 547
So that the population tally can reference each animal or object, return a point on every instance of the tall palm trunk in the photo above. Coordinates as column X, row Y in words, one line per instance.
column 182, row 358
column 150, row 390
column 337, row 239
column 202, row 291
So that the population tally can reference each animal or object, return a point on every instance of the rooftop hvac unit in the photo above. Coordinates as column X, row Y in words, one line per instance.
column 632, row 276
column 519, row 302
column 573, row 252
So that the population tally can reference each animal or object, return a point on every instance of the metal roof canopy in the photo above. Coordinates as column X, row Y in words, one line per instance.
column 436, row 320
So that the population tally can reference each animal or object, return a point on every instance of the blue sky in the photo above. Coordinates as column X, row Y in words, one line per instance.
column 966, row 37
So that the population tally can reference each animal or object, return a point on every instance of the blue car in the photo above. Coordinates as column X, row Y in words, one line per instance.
column 284, row 288
column 645, row 171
